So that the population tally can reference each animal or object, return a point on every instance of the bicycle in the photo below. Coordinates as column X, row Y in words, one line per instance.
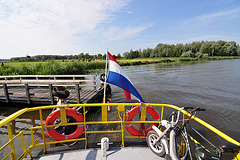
column 203, row 153
column 159, row 143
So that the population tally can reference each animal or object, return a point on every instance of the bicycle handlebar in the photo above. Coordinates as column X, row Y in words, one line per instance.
column 188, row 108
column 176, row 116
column 173, row 115
column 200, row 109
column 191, row 112
column 195, row 109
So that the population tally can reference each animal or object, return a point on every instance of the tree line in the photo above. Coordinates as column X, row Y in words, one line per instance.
column 191, row 50
column 201, row 49
column 81, row 56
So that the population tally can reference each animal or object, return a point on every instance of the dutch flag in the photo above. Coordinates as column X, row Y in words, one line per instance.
column 117, row 76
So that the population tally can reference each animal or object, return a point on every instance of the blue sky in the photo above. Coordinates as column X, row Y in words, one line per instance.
column 61, row 27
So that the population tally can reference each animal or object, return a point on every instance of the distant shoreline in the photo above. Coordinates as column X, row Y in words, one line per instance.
column 142, row 61
column 58, row 67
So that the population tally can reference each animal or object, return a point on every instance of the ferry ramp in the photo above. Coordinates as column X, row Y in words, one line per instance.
column 38, row 89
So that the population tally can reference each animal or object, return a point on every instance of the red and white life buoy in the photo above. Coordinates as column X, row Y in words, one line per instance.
column 133, row 112
column 69, row 112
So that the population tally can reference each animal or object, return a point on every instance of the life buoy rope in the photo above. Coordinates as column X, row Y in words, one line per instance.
column 69, row 112
column 133, row 112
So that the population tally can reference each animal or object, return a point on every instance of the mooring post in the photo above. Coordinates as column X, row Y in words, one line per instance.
column 51, row 95
column 77, row 93
column 94, row 83
column 27, row 93
column 6, row 92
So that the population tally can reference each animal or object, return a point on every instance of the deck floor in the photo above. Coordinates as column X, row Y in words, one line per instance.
column 114, row 153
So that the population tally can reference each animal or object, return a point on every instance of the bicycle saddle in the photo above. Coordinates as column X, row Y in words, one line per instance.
column 226, row 145
column 201, row 152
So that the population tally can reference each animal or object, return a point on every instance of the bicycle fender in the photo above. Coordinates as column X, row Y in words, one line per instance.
column 173, row 147
column 157, row 130
column 164, row 140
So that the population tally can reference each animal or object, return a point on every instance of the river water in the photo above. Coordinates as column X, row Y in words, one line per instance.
column 213, row 85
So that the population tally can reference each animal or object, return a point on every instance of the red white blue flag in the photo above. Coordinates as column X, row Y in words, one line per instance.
column 117, row 76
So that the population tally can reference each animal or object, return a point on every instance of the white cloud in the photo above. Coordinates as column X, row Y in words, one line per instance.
column 50, row 26
column 205, row 20
column 117, row 33
column 229, row 14
column 214, row 26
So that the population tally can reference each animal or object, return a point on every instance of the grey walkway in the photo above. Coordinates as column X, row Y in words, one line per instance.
column 115, row 153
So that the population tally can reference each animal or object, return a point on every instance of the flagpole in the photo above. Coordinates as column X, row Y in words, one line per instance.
column 105, row 83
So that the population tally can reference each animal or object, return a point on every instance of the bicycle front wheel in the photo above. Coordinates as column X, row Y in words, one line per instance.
column 157, row 147
column 182, row 144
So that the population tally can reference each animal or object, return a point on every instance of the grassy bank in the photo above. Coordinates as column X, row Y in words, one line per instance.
column 49, row 68
column 54, row 67
column 142, row 61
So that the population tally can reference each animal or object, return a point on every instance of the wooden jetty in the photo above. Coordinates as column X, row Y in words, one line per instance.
column 37, row 89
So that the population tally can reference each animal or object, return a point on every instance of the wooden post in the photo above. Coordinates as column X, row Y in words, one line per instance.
column 94, row 83
column 37, row 82
column 27, row 93
column 77, row 93
column 51, row 95
column 6, row 92
column 55, row 78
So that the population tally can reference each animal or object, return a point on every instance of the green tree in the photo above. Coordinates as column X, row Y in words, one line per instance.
column 205, row 56
column 99, row 56
column 206, row 48
column 134, row 54
column 230, row 48
column 178, row 50
column 126, row 55
column 195, row 46
column 215, row 49
column 238, row 50
column 154, row 53
column 198, row 55
column 187, row 47
column 119, row 55
column 188, row 54
column 81, row 55
column 146, row 53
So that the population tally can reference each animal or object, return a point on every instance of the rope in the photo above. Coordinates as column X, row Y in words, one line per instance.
column 63, row 107
column 142, row 126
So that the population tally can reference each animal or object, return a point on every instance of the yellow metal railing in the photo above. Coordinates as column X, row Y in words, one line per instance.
column 121, row 108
